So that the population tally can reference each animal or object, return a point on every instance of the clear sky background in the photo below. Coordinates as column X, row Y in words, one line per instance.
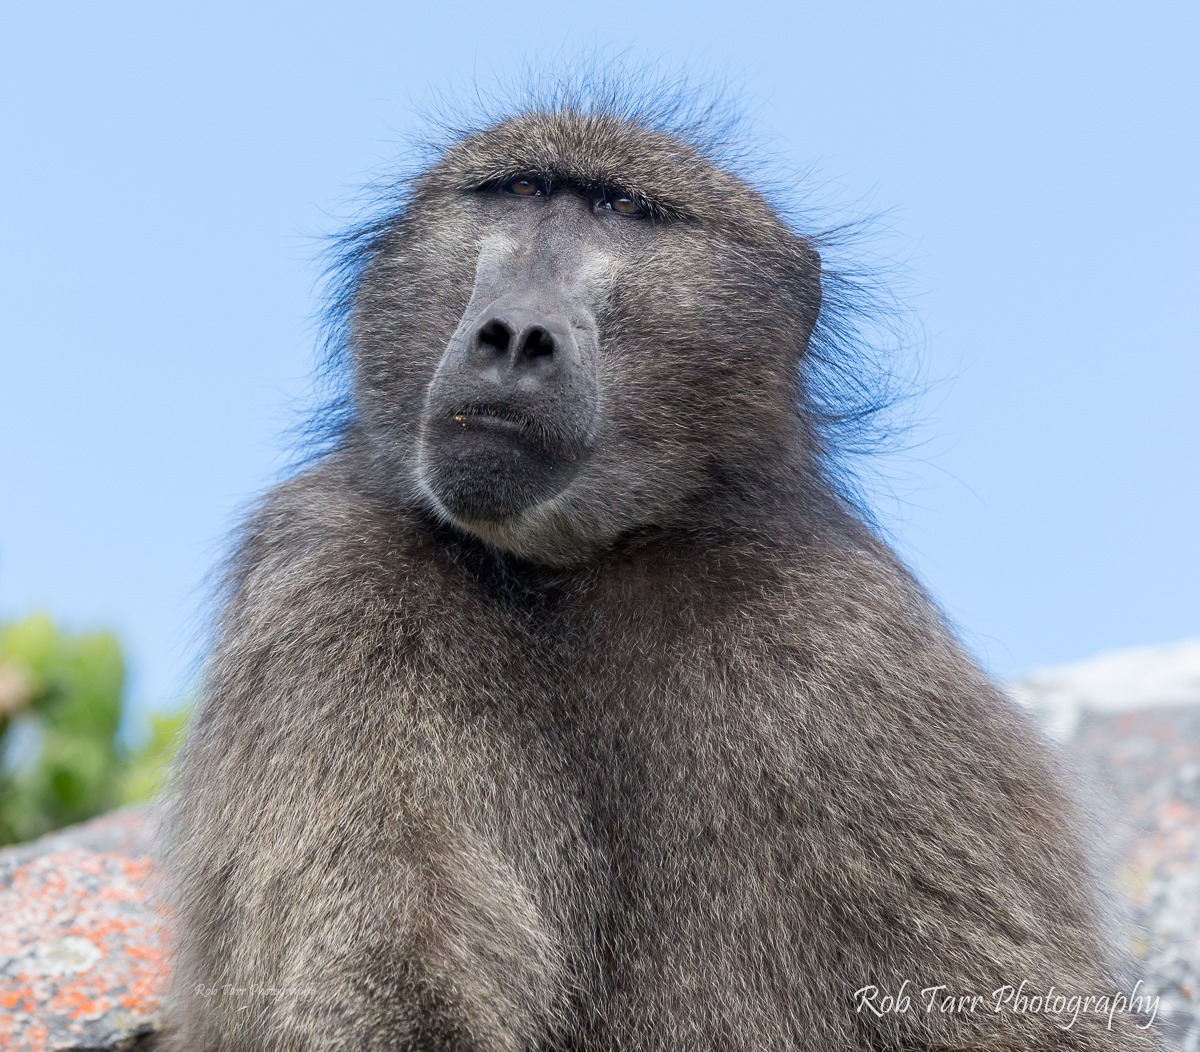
column 169, row 170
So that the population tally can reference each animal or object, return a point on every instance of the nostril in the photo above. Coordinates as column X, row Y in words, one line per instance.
column 495, row 335
column 538, row 344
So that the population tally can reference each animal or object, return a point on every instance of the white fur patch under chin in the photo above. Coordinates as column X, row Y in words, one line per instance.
column 536, row 528
column 552, row 532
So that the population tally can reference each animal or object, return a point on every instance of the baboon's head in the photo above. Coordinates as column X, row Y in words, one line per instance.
column 578, row 327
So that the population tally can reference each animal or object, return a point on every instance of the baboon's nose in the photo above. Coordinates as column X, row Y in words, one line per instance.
column 520, row 341
column 522, row 360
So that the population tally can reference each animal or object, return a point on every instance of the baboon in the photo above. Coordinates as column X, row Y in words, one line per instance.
column 566, row 702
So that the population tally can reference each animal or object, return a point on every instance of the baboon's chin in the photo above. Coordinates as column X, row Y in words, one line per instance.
column 487, row 470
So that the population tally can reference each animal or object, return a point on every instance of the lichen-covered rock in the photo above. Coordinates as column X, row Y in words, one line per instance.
column 1132, row 720
column 81, row 940
column 1149, row 761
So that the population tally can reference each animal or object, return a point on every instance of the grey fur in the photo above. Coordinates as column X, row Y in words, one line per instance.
column 674, row 756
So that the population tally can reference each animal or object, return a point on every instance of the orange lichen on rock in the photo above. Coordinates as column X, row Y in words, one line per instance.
column 81, row 936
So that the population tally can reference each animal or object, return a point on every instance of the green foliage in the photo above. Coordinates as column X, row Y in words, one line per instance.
column 145, row 768
column 60, row 706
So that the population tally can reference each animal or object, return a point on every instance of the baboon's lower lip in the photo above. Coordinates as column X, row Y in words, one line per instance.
column 508, row 426
column 493, row 417
column 488, row 420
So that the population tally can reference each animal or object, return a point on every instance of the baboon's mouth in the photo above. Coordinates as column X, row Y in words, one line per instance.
column 506, row 420
column 482, row 413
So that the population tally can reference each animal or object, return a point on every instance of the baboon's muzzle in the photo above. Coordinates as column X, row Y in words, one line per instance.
column 510, row 409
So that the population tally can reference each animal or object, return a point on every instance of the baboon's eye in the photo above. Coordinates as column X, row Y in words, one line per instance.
column 621, row 203
column 526, row 186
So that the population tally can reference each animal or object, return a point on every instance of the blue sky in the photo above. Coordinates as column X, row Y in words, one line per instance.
column 171, row 170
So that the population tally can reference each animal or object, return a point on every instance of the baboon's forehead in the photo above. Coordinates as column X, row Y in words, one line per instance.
column 595, row 150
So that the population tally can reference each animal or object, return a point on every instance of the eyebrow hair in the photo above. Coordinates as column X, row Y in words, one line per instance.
column 566, row 177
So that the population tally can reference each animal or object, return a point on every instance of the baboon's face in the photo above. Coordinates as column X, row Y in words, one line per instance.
column 576, row 326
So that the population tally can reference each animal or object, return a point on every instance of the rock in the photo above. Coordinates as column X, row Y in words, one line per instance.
column 1149, row 761
column 1131, row 719
column 81, row 941
column 1116, row 682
